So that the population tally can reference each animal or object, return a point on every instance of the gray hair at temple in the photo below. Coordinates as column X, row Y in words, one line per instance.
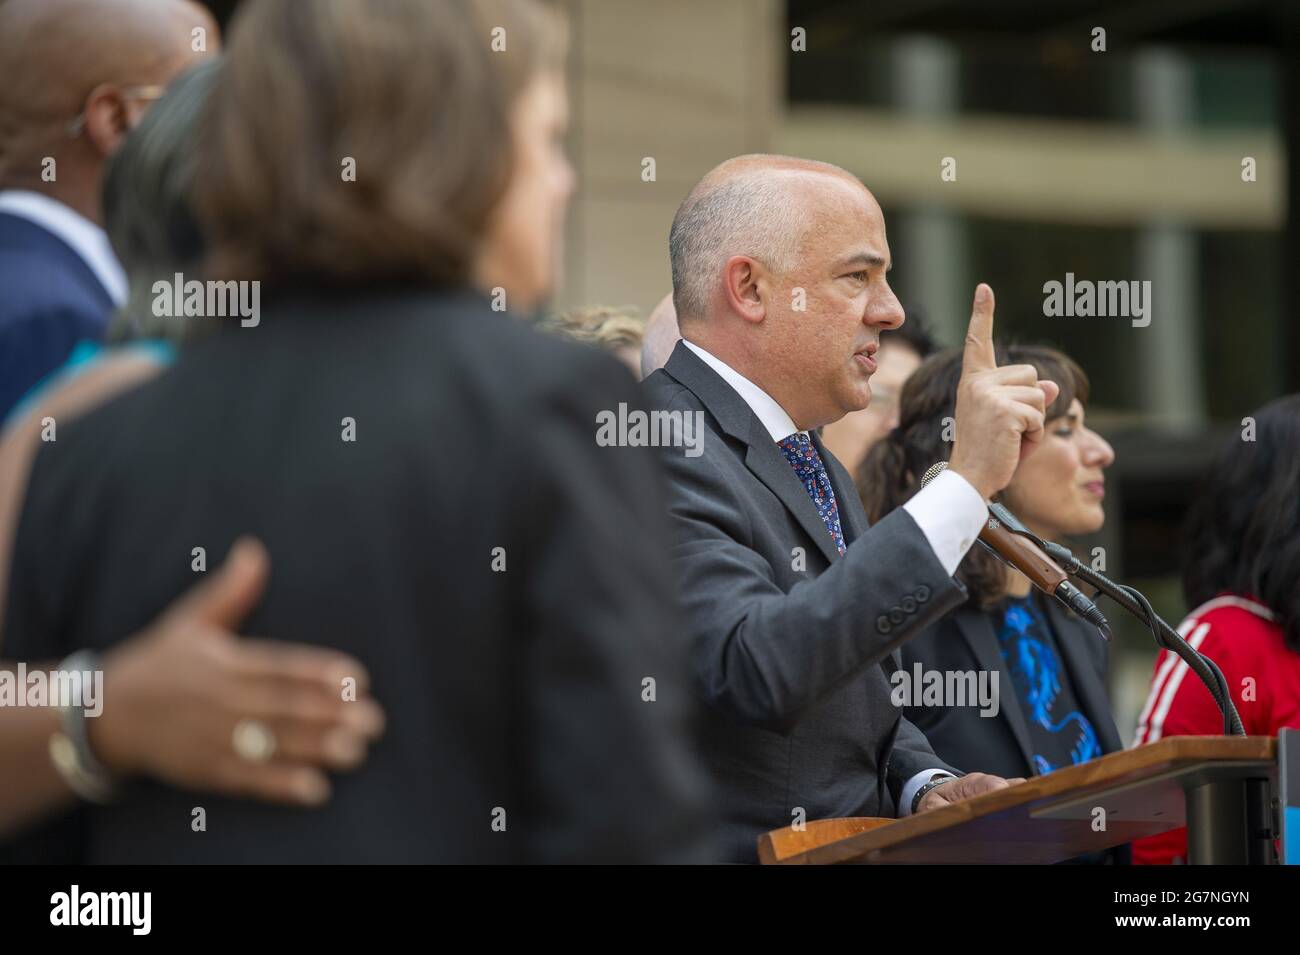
column 750, row 205
column 750, row 213
column 147, row 209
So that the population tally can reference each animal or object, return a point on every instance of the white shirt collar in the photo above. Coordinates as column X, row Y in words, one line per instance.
column 774, row 418
column 86, row 239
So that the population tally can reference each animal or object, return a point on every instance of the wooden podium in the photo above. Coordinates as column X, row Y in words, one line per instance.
column 1221, row 788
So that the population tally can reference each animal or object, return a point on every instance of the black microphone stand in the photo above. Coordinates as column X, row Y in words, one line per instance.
column 1166, row 636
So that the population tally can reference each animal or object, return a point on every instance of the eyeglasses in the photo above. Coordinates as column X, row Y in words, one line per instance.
column 146, row 93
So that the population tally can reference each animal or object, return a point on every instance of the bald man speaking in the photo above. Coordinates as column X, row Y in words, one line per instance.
column 78, row 75
column 795, row 606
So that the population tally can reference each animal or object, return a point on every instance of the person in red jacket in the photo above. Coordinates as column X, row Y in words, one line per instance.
column 1243, row 547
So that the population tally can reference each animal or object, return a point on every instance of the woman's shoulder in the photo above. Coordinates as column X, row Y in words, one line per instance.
column 1243, row 622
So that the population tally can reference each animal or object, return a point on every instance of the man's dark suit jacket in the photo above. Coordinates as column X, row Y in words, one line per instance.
column 49, row 300
column 516, row 688
column 966, row 642
column 791, row 644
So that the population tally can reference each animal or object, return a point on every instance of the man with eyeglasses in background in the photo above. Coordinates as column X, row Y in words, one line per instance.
column 77, row 77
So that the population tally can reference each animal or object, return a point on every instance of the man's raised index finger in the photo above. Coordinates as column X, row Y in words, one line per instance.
column 978, row 354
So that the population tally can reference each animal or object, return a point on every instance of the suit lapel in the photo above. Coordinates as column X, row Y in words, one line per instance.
column 977, row 630
column 853, row 522
column 762, row 456
column 770, row 466
column 1071, row 634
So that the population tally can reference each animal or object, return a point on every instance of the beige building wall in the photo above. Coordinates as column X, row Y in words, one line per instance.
column 685, row 83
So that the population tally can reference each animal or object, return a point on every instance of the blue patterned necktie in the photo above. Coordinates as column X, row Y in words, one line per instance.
column 808, row 468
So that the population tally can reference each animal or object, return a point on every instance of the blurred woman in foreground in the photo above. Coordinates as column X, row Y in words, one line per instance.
column 175, row 686
column 421, row 468
column 1242, row 576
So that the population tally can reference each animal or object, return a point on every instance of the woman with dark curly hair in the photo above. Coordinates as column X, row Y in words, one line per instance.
column 1051, row 706
column 1242, row 576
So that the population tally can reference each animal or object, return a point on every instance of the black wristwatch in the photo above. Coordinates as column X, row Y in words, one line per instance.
column 935, row 782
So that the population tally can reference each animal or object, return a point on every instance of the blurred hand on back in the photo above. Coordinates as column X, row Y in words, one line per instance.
column 175, row 692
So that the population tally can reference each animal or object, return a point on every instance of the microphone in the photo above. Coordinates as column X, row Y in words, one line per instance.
column 1001, row 534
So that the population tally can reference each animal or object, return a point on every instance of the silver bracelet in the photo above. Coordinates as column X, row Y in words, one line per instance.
column 70, row 750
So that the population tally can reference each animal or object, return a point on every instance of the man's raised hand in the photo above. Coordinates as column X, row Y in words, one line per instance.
column 1000, row 411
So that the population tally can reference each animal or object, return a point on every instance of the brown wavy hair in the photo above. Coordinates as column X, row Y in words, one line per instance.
column 893, row 468
column 411, row 90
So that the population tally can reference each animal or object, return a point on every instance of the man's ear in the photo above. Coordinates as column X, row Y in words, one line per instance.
column 744, row 283
column 107, row 118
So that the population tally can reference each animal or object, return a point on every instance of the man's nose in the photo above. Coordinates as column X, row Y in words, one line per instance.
column 884, row 312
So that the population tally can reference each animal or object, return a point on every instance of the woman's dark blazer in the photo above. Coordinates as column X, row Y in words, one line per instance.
column 965, row 640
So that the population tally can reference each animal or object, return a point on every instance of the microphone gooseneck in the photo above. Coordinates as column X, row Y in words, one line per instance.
column 1129, row 598
column 1004, row 535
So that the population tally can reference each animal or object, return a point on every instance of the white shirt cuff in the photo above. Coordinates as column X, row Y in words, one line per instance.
column 916, row 782
column 951, row 514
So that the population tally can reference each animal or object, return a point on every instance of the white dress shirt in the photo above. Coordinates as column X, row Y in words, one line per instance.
column 86, row 239
column 948, row 510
